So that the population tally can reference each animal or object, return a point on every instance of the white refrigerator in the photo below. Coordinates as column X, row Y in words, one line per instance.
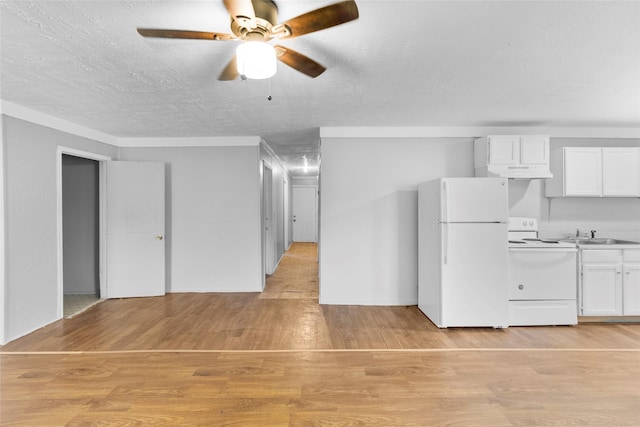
column 463, row 252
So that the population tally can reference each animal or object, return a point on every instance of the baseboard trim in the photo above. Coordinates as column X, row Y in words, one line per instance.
column 608, row 319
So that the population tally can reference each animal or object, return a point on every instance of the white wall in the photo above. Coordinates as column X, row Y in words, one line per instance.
column 81, row 218
column 368, row 213
column 213, row 217
column 30, row 212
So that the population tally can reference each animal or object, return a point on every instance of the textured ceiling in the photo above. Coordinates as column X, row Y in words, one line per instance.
column 403, row 63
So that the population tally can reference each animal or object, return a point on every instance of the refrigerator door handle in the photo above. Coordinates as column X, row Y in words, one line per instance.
column 445, row 202
column 445, row 240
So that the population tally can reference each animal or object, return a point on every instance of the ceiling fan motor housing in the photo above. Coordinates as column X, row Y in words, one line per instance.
column 266, row 13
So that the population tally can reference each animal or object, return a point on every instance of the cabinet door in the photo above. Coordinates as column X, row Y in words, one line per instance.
column 631, row 289
column 601, row 290
column 534, row 150
column 621, row 171
column 582, row 171
column 504, row 150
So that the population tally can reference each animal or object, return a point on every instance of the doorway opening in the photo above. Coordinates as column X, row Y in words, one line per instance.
column 80, row 233
column 80, row 224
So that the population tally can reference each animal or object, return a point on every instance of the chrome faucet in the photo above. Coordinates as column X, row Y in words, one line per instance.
column 593, row 234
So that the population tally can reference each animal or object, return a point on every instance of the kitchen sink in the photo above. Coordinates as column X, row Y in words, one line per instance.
column 600, row 241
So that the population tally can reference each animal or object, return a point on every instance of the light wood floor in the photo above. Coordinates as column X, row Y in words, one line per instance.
column 279, row 358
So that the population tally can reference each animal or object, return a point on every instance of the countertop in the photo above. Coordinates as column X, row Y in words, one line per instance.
column 604, row 246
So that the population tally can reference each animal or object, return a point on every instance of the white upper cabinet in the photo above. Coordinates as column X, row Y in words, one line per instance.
column 534, row 150
column 595, row 172
column 621, row 172
column 512, row 156
column 583, row 171
column 504, row 150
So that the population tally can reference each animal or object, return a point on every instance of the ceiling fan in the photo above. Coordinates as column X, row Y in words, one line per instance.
column 257, row 21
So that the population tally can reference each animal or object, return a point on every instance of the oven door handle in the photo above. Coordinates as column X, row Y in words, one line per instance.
column 543, row 250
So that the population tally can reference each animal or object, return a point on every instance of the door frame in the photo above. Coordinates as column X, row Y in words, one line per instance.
column 2, row 235
column 286, row 213
column 102, row 208
column 268, row 239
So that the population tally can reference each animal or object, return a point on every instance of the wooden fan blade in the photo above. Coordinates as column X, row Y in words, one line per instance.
column 299, row 62
column 230, row 72
column 319, row 19
column 182, row 34
column 242, row 12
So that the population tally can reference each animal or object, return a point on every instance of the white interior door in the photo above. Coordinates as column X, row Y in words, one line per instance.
column 304, row 214
column 135, row 229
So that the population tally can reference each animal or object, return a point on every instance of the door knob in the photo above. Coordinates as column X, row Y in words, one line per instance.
column 159, row 237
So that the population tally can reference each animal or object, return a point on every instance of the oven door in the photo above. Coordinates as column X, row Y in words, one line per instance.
column 542, row 273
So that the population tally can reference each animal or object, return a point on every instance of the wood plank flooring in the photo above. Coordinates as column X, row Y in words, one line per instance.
column 367, row 388
column 278, row 358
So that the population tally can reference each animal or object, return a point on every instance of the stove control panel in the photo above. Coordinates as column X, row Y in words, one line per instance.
column 518, row 223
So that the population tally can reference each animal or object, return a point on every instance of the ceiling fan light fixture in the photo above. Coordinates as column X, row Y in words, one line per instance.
column 256, row 60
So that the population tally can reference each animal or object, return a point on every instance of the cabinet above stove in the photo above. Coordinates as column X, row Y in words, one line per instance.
column 512, row 156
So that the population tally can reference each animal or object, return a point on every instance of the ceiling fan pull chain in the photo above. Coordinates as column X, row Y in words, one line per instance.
column 243, row 77
column 269, row 98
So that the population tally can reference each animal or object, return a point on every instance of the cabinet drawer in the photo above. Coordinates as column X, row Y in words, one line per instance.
column 555, row 312
column 631, row 255
column 609, row 256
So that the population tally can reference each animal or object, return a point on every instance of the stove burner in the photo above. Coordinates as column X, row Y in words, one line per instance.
column 540, row 240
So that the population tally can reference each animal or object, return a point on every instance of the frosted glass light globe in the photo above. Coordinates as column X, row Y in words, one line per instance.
column 256, row 60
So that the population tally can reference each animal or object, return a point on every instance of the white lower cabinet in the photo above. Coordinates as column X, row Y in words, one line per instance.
column 601, row 290
column 610, row 282
column 631, row 289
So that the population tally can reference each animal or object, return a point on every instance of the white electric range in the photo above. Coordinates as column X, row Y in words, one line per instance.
column 542, row 277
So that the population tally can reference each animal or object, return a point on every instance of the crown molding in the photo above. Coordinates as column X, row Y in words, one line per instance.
column 14, row 110
column 27, row 114
column 477, row 132
column 207, row 141
column 23, row 113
